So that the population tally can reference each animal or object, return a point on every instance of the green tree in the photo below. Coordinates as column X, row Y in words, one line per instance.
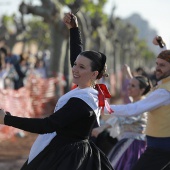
column 10, row 30
column 108, row 34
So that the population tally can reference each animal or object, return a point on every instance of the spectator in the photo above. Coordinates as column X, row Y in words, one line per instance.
column 14, row 61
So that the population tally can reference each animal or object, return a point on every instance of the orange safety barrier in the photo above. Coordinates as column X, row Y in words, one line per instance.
column 36, row 99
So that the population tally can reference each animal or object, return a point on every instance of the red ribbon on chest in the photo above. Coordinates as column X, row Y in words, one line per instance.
column 103, row 93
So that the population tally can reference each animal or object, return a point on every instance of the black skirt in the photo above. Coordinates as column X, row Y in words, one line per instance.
column 66, row 154
column 105, row 142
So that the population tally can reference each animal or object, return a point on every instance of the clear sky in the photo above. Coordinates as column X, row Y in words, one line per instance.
column 156, row 12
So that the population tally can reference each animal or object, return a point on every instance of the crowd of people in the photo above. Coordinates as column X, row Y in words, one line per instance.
column 15, row 69
column 140, row 126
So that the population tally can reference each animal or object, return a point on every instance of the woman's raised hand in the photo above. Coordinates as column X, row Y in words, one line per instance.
column 70, row 20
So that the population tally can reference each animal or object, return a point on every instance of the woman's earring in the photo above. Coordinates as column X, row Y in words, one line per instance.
column 92, row 83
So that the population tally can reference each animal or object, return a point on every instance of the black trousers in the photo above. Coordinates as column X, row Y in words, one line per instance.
column 153, row 159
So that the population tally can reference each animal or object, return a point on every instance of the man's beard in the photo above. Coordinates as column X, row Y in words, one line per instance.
column 161, row 77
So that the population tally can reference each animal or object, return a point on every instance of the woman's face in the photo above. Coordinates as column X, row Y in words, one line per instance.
column 82, row 74
column 134, row 90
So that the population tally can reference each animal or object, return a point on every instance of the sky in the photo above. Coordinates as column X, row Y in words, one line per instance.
column 156, row 12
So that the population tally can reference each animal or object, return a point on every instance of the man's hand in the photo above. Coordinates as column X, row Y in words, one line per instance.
column 158, row 41
column 155, row 42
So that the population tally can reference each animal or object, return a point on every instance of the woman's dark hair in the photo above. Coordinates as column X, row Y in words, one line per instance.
column 144, row 83
column 98, row 62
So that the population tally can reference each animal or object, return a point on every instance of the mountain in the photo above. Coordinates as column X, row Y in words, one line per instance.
column 145, row 32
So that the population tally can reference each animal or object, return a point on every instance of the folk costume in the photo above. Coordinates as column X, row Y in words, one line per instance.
column 64, row 141
column 132, row 141
column 157, row 102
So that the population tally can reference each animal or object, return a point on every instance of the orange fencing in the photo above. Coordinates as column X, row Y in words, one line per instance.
column 36, row 99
